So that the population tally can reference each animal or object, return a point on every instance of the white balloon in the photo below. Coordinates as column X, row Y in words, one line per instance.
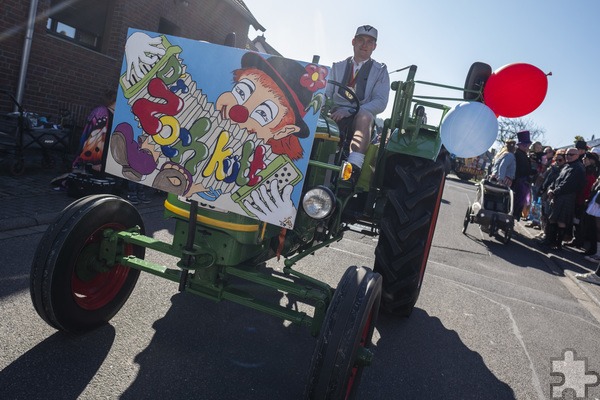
column 469, row 130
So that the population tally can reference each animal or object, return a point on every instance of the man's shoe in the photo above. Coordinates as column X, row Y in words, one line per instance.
column 590, row 277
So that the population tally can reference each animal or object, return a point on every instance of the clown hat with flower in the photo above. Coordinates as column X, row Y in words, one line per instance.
column 298, row 83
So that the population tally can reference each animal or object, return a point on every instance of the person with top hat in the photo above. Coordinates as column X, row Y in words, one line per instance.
column 523, row 173
column 582, row 148
column 370, row 81
column 562, row 194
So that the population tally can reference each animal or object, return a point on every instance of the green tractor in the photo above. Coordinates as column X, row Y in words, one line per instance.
column 89, row 259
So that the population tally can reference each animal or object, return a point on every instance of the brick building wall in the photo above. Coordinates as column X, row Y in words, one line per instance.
column 65, row 75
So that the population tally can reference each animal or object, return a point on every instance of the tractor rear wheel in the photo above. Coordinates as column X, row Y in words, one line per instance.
column 72, row 288
column 478, row 75
column 415, row 187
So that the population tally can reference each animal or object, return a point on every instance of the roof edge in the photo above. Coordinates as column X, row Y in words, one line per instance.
column 243, row 8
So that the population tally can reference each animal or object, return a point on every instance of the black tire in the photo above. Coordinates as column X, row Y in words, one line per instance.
column 493, row 225
column 414, row 194
column 507, row 235
column 44, row 246
column 476, row 78
column 347, row 330
column 67, row 290
column 467, row 220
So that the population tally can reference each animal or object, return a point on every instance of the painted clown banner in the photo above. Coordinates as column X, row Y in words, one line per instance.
column 228, row 128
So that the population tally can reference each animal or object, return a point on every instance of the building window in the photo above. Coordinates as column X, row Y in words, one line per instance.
column 83, row 22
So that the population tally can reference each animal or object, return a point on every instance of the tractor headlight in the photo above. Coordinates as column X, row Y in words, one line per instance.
column 318, row 202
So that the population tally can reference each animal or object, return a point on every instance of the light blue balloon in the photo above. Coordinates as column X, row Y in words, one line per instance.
column 469, row 130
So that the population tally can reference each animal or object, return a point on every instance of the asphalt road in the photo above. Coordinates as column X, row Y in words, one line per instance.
column 489, row 321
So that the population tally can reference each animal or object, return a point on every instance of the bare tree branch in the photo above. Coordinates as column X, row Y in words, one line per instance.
column 508, row 128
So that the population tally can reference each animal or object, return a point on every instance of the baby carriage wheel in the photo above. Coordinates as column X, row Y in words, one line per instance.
column 507, row 235
column 493, row 225
column 467, row 220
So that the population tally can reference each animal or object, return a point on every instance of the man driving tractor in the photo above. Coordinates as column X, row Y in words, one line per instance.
column 370, row 81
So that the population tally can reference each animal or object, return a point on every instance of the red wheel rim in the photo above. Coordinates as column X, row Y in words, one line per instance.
column 95, row 293
column 364, row 341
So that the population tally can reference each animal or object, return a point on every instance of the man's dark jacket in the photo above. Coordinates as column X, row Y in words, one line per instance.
column 570, row 180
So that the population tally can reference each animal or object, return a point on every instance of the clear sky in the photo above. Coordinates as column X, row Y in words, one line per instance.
column 443, row 38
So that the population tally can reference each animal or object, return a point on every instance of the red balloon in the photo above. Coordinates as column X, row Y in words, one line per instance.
column 515, row 90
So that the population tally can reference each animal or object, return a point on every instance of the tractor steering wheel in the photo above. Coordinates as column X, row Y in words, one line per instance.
column 348, row 94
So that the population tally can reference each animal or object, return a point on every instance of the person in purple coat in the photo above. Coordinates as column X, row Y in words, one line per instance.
column 521, row 185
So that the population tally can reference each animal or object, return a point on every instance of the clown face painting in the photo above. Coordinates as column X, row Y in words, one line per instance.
column 214, row 124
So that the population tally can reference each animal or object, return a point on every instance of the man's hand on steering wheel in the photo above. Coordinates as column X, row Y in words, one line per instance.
column 342, row 112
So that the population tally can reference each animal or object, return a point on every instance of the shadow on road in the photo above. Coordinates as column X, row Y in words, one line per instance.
column 207, row 350
column 418, row 358
column 60, row 367
column 204, row 350
column 223, row 351
column 514, row 251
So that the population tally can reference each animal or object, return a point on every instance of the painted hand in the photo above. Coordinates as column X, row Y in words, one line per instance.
column 273, row 207
column 141, row 48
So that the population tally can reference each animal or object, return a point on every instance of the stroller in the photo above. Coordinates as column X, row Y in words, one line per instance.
column 492, row 210
column 19, row 132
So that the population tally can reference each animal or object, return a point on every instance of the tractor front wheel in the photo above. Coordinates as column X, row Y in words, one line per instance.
column 414, row 195
column 342, row 349
column 72, row 287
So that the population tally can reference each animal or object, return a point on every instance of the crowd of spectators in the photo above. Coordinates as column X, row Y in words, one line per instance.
column 557, row 192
